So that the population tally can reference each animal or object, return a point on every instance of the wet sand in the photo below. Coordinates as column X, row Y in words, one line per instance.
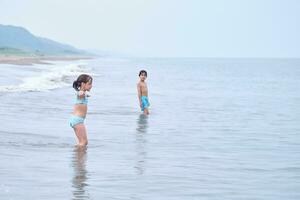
column 30, row 60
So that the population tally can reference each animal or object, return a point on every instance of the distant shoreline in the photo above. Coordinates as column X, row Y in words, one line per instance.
column 30, row 60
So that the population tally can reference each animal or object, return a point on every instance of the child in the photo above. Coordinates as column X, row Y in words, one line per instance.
column 143, row 92
column 82, row 85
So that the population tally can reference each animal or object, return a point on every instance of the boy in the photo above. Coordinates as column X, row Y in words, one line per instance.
column 143, row 92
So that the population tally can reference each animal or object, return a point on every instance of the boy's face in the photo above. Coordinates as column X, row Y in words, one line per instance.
column 143, row 76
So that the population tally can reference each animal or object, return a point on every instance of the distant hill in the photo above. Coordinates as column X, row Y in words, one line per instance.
column 18, row 40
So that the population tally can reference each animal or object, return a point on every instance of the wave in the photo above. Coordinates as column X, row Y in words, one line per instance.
column 54, row 77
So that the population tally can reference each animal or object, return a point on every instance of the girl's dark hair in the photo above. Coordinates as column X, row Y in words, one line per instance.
column 143, row 71
column 83, row 78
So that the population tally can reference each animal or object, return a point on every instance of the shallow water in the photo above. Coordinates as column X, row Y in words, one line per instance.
column 218, row 129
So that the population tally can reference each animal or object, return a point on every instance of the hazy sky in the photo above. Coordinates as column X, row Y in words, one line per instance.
column 193, row 28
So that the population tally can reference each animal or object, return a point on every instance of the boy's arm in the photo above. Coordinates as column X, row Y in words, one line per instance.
column 139, row 94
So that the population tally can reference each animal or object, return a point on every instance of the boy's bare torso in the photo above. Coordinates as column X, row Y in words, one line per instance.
column 143, row 88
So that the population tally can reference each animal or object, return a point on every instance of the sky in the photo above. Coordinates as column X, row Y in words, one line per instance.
column 164, row 28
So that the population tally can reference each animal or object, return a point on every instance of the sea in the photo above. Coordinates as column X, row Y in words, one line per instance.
column 218, row 129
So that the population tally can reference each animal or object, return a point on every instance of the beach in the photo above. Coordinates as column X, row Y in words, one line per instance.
column 217, row 129
column 30, row 60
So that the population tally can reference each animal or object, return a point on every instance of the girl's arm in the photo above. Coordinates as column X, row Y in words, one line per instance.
column 87, row 94
column 81, row 94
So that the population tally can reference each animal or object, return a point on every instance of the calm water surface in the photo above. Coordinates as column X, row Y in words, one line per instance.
column 218, row 129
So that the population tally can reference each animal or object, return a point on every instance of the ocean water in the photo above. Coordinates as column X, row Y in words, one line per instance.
column 217, row 129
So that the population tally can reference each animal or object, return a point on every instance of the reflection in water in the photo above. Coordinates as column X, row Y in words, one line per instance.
column 80, row 174
column 142, row 125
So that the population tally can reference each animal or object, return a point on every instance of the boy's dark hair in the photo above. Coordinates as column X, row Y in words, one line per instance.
column 143, row 72
column 83, row 78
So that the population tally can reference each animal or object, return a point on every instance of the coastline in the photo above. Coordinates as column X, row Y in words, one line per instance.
column 30, row 60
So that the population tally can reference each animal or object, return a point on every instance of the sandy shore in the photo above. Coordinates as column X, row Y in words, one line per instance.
column 30, row 60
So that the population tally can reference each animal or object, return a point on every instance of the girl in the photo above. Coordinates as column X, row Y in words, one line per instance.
column 82, row 85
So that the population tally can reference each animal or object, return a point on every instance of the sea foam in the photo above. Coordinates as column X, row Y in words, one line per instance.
column 49, row 77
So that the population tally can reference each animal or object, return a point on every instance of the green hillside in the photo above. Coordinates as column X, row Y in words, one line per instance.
column 19, row 41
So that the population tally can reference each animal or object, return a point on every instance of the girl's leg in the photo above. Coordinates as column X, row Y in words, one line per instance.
column 80, row 132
